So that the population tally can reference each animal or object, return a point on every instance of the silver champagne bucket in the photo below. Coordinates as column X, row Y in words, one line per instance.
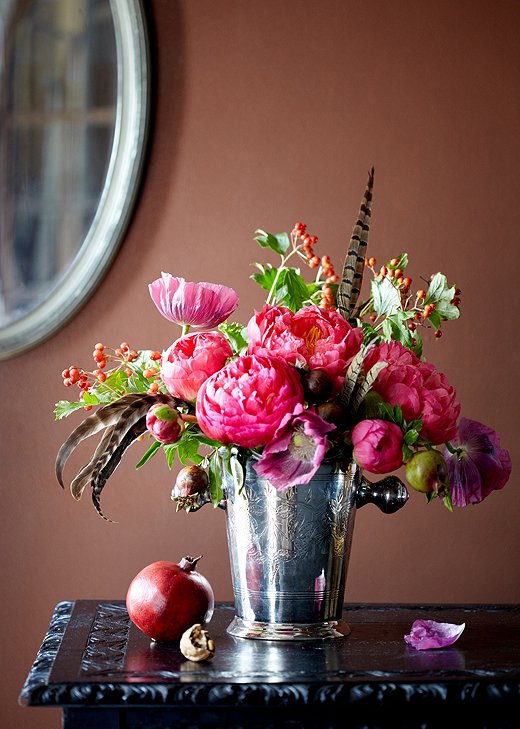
column 289, row 550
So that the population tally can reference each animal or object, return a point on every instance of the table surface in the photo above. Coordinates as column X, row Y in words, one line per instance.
column 93, row 657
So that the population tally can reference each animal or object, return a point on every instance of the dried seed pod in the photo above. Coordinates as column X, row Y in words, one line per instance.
column 190, row 488
column 196, row 644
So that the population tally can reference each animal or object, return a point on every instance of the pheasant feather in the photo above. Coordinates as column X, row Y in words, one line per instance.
column 353, row 376
column 352, row 277
column 123, row 421
column 101, row 474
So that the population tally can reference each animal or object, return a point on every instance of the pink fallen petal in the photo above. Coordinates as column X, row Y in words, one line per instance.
column 427, row 634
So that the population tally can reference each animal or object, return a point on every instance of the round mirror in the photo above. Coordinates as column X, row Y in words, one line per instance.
column 74, row 93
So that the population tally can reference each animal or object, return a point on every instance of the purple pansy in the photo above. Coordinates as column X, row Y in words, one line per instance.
column 427, row 634
column 297, row 449
column 478, row 466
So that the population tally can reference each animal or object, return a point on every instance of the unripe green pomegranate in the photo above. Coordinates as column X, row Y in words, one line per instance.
column 426, row 471
column 369, row 408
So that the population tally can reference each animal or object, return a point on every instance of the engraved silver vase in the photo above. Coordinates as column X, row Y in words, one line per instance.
column 289, row 550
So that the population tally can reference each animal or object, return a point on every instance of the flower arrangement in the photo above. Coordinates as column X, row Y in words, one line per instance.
column 317, row 374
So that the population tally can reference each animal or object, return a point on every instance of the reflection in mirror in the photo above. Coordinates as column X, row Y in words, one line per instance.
column 73, row 108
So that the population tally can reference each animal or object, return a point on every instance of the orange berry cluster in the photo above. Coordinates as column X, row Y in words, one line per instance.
column 122, row 355
column 422, row 311
column 313, row 261
column 402, row 281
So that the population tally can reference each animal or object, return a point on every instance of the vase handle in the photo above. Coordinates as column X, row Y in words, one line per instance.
column 389, row 495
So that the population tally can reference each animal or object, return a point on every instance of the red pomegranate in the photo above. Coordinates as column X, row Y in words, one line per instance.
column 165, row 598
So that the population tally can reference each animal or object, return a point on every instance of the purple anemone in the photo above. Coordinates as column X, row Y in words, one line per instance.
column 427, row 634
column 478, row 464
column 297, row 449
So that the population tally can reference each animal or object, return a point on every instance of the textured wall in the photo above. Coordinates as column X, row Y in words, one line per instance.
column 266, row 113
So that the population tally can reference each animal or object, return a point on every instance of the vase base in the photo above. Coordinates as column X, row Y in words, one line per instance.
column 258, row 630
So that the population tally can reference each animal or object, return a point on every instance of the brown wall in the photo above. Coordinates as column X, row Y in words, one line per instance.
column 267, row 112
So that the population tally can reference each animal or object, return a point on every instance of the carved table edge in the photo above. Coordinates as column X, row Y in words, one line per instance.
column 37, row 679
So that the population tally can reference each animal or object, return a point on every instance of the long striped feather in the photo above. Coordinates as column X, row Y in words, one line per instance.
column 364, row 384
column 352, row 277
column 82, row 478
column 119, row 419
column 353, row 375
column 102, row 418
column 102, row 473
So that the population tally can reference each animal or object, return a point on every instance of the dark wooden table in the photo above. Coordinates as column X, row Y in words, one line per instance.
column 105, row 674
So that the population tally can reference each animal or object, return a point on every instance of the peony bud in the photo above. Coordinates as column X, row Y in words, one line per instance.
column 164, row 423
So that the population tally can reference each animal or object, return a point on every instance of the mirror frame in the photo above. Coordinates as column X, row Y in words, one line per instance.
column 118, row 195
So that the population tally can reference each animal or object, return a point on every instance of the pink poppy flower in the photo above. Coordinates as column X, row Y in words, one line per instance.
column 199, row 305
column 479, row 465
column 245, row 402
column 296, row 451
column 427, row 634
column 313, row 337
column 378, row 445
column 190, row 360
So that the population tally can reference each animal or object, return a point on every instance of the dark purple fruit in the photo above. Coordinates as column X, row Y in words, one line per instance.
column 317, row 385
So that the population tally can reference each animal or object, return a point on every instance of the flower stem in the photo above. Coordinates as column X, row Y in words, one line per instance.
column 185, row 329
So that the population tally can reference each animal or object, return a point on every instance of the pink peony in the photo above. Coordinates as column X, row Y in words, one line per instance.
column 439, row 410
column 198, row 305
column 378, row 445
column 190, row 360
column 163, row 422
column 418, row 388
column 312, row 337
column 297, row 449
column 245, row 402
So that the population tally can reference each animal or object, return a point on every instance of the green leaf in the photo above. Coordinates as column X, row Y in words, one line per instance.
column 402, row 262
column 448, row 502
column 407, row 453
column 278, row 242
column 169, row 451
column 440, row 294
column 395, row 326
column 64, row 408
column 236, row 335
column 152, row 450
column 369, row 333
column 386, row 411
column 266, row 276
column 215, row 489
column 188, row 450
column 89, row 398
column 398, row 415
column 386, row 297
column 291, row 289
